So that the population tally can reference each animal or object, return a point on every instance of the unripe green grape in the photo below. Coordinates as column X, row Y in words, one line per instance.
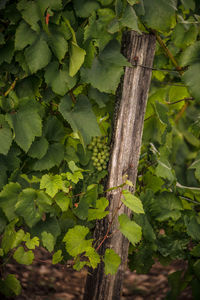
column 99, row 168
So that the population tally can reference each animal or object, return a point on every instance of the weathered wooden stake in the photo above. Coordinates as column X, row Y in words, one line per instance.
column 125, row 152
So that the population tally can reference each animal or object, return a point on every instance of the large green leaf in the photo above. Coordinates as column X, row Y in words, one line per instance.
column 131, row 230
column 58, row 44
column 23, row 257
column 84, row 8
column 51, row 183
column 184, row 36
column 50, row 225
column 166, row 206
column 129, row 19
column 8, row 199
column 99, row 211
column 5, row 136
column 62, row 200
column 132, row 202
column 38, row 55
column 26, row 124
column 97, row 29
column 38, row 148
column 54, row 129
column 59, row 79
column 191, row 55
column 192, row 78
column 11, row 239
column 80, row 117
column 30, row 13
column 24, row 36
column 75, row 240
column 6, row 52
column 10, row 286
column 53, row 157
column 193, row 227
column 112, row 261
column 106, row 69
column 159, row 14
column 27, row 207
column 51, row 4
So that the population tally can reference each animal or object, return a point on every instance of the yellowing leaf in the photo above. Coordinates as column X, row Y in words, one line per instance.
column 77, row 56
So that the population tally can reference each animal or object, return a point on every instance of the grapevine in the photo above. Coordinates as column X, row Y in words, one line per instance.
column 60, row 68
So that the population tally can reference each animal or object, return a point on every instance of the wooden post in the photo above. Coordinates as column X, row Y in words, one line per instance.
column 125, row 151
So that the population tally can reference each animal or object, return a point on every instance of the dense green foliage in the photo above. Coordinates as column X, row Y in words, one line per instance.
column 60, row 68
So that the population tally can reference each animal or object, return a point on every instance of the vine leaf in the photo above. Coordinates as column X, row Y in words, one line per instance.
column 85, row 7
column 80, row 117
column 27, row 124
column 38, row 148
column 111, row 261
column 132, row 202
column 51, row 4
column 77, row 56
column 5, row 136
column 106, row 69
column 62, row 200
column 98, row 212
column 26, row 207
column 130, row 229
column 59, row 79
column 192, row 77
column 11, row 239
column 31, row 243
column 193, row 227
column 57, row 257
column 30, row 13
column 24, row 36
column 38, row 55
column 8, row 199
column 159, row 15
column 75, row 241
column 53, row 157
column 51, row 183
column 48, row 241
column 58, row 44
column 23, row 257
column 10, row 285
column 129, row 19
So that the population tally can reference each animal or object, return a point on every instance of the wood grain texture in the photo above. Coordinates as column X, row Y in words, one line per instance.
column 125, row 151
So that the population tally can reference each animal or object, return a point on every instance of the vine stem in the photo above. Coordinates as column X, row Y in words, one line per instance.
column 110, row 225
column 181, row 112
column 11, row 87
column 168, row 52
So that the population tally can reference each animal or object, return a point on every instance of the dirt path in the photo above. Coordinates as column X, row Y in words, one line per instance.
column 42, row 281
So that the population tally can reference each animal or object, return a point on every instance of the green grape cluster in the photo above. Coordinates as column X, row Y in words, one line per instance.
column 100, row 152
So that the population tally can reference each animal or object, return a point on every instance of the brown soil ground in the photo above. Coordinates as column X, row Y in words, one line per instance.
column 44, row 281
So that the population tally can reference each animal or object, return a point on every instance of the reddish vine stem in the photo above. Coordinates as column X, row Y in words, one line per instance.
column 72, row 96
column 110, row 225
